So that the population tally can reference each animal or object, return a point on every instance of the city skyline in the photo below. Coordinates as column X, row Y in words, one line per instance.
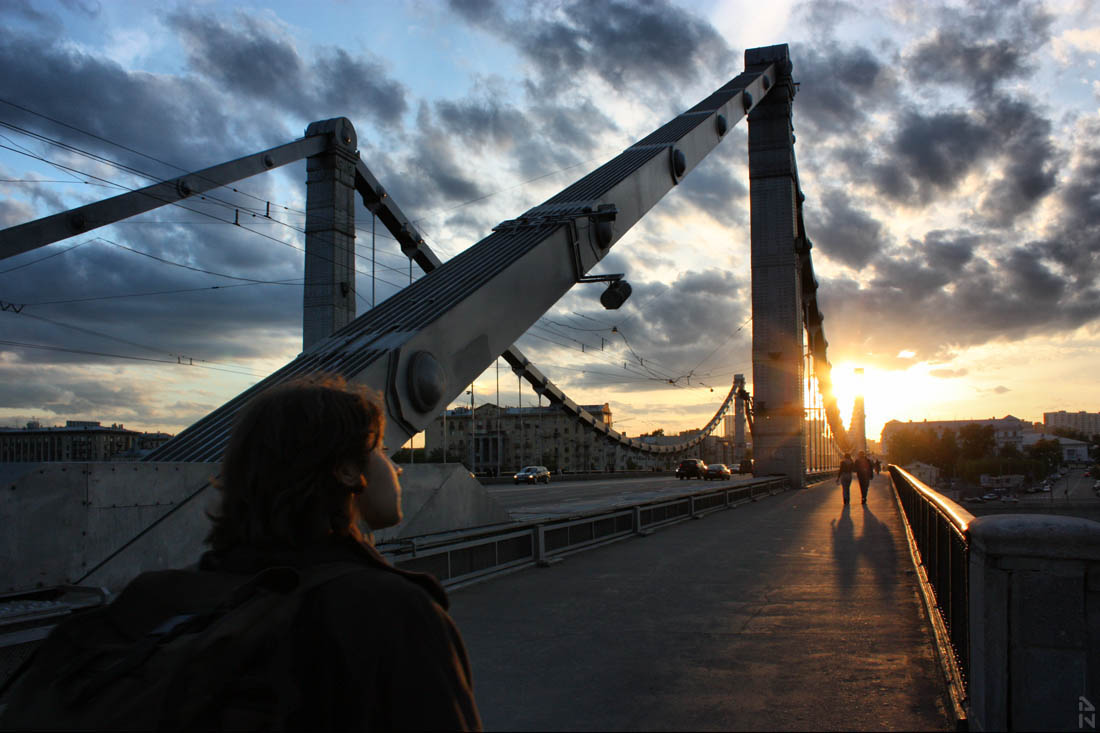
column 948, row 154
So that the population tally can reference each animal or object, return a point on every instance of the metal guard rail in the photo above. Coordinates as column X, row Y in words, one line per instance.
column 939, row 529
column 460, row 558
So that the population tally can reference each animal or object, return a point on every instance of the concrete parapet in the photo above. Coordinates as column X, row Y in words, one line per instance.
column 441, row 497
column 101, row 524
column 67, row 523
column 1034, row 622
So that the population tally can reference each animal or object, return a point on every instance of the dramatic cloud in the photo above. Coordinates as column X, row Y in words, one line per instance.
column 256, row 59
column 844, row 233
column 650, row 44
column 981, row 46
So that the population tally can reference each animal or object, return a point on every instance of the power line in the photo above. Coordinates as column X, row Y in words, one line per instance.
column 25, row 345
column 40, row 259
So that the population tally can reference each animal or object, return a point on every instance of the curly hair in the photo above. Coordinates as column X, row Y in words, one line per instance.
column 278, row 484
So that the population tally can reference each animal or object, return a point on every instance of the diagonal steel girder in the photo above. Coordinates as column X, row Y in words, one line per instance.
column 378, row 201
column 421, row 347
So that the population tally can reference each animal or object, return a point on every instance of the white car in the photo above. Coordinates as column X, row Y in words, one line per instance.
column 532, row 475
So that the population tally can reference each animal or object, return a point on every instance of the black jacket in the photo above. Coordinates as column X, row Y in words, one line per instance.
column 376, row 649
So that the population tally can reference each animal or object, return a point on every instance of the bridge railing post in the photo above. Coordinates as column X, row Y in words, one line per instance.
column 1034, row 622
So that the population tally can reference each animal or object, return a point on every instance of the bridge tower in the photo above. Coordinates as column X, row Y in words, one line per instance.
column 777, row 326
column 329, row 293
column 858, row 432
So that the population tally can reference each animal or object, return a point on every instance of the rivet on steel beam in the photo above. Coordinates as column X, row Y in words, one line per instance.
column 679, row 164
column 269, row 161
column 722, row 125
column 183, row 186
column 426, row 381
column 766, row 82
column 746, row 100
column 78, row 222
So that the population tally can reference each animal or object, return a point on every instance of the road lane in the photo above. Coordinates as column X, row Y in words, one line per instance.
column 568, row 497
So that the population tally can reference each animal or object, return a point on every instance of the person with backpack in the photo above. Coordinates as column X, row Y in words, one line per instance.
column 292, row 619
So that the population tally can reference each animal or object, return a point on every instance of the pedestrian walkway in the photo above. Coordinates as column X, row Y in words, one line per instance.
column 793, row 613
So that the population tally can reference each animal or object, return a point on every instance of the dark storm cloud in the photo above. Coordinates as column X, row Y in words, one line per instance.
column 438, row 177
column 929, row 155
column 650, row 44
column 969, row 289
column 178, row 119
column 981, row 45
column 717, row 185
column 671, row 326
column 249, row 57
column 844, row 233
column 839, row 87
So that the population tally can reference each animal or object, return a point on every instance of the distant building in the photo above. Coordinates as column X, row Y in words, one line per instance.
column 1085, row 422
column 925, row 472
column 1073, row 451
column 78, row 440
column 513, row 437
column 1008, row 430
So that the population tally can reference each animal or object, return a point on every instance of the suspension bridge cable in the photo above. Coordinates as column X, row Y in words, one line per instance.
column 23, row 344
column 49, row 256
column 121, row 340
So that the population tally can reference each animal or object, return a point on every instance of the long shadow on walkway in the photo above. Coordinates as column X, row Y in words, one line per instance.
column 792, row 613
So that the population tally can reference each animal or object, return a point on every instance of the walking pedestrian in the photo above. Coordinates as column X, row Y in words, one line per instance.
column 844, row 475
column 864, row 472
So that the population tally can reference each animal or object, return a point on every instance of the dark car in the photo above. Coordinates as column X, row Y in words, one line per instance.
column 691, row 468
column 746, row 466
column 532, row 475
column 717, row 471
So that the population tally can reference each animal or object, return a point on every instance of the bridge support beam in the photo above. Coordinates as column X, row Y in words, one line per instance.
column 329, row 298
column 777, row 327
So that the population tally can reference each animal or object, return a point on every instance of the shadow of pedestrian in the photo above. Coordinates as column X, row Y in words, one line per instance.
column 844, row 547
column 876, row 542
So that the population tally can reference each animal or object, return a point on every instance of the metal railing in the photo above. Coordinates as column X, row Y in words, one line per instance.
column 938, row 528
column 460, row 558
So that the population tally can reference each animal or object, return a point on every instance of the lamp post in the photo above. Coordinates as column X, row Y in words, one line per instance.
column 473, row 466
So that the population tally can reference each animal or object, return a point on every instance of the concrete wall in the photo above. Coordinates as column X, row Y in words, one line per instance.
column 1034, row 622
column 101, row 524
column 63, row 520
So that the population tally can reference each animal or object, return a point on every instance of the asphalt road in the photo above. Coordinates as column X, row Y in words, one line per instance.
column 564, row 498
column 1074, row 486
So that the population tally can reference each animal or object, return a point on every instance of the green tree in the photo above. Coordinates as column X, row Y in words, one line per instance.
column 1047, row 452
column 946, row 455
column 976, row 441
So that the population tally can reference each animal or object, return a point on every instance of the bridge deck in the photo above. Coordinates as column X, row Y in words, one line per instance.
column 788, row 614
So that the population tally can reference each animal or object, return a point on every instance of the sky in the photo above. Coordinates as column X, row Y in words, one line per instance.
column 949, row 153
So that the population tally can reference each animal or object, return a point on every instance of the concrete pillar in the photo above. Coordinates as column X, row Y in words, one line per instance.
column 777, row 327
column 329, row 298
column 1034, row 622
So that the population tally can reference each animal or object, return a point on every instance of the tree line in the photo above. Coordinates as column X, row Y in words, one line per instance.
column 972, row 450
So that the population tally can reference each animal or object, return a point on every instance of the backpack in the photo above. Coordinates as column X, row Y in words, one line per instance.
column 178, row 649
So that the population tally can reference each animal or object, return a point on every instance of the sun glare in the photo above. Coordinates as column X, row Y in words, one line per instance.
column 887, row 395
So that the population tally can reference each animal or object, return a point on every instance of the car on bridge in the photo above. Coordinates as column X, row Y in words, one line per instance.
column 691, row 468
column 717, row 471
column 532, row 475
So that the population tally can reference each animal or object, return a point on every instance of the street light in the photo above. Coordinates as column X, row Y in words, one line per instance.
column 473, row 466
